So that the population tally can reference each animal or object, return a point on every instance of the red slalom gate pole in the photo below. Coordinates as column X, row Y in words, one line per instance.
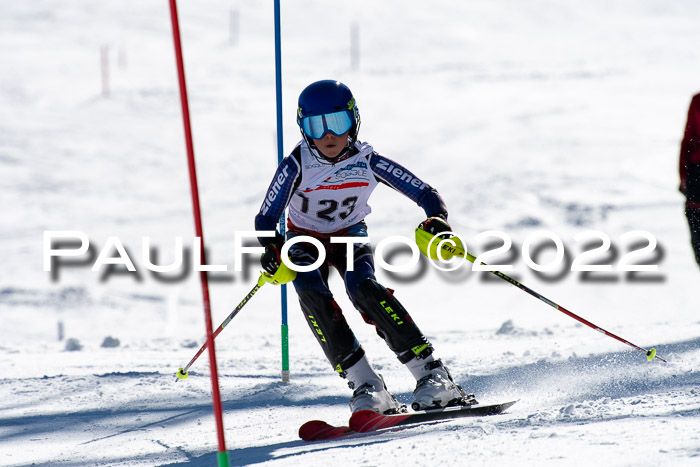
column 216, row 395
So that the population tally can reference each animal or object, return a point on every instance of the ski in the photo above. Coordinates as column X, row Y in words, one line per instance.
column 318, row 430
column 365, row 420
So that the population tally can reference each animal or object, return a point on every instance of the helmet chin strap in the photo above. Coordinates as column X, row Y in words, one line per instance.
column 318, row 155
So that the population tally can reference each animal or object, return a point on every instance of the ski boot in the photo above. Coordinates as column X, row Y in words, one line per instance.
column 435, row 387
column 370, row 392
column 374, row 396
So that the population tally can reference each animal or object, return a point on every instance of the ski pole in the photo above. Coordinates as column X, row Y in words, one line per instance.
column 182, row 372
column 422, row 238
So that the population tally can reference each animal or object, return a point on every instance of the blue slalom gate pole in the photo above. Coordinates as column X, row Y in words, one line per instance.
column 280, row 155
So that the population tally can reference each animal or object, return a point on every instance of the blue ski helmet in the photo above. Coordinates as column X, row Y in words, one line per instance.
column 327, row 106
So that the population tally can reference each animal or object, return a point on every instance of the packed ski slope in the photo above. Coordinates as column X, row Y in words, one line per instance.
column 561, row 116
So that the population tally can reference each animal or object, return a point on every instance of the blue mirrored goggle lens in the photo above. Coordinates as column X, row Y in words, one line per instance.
column 317, row 126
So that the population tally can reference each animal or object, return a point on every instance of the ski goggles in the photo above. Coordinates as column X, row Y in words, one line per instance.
column 317, row 126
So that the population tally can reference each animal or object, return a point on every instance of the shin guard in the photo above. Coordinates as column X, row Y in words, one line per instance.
column 326, row 320
column 379, row 307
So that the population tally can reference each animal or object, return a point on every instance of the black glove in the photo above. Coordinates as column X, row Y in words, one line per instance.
column 270, row 259
column 435, row 225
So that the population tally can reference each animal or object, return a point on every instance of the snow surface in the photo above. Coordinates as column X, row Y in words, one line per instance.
column 556, row 115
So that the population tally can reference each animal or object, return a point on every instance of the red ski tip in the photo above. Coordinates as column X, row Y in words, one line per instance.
column 367, row 420
column 316, row 430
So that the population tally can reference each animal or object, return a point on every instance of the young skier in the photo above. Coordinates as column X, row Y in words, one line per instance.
column 326, row 182
column 690, row 173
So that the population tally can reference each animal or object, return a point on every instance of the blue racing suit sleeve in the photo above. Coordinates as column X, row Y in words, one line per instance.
column 405, row 182
column 277, row 197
